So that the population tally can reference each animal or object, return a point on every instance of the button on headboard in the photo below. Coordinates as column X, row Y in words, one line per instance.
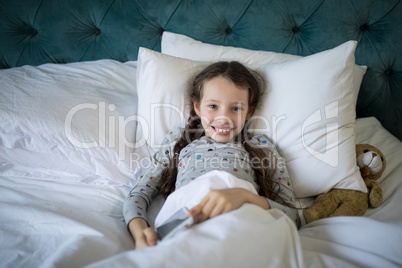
column 60, row 31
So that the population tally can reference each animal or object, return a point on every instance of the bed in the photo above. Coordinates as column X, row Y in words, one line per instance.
column 89, row 88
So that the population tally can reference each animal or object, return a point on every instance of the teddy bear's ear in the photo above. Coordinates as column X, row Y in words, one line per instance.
column 360, row 149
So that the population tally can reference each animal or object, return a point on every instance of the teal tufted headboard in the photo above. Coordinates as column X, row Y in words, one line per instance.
column 60, row 31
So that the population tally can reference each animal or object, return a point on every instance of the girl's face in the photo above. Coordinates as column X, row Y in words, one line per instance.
column 223, row 109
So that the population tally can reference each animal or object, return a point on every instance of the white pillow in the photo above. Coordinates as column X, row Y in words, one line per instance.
column 299, row 90
column 73, row 122
column 182, row 46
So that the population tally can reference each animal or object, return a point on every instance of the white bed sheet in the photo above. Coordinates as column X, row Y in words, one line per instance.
column 47, row 130
column 55, row 224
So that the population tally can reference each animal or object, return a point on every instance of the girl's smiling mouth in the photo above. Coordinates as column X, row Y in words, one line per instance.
column 222, row 130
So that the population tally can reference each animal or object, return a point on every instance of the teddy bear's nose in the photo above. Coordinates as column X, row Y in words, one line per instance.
column 374, row 155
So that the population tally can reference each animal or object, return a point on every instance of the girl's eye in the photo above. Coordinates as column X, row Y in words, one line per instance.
column 236, row 109
column 212, row 106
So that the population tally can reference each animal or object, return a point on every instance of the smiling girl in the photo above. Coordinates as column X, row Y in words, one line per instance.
column 224, row 96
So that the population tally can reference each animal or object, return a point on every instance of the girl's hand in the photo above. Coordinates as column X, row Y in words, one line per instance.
column 218, row 202
column 148, row 238
column 143, row 235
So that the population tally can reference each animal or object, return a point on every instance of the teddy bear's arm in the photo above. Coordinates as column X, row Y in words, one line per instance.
column 374, row 193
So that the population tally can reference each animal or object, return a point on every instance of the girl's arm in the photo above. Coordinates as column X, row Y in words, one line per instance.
column 141, row 195
column 218, row 202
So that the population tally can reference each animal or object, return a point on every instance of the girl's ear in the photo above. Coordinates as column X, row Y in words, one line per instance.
column 197, row 107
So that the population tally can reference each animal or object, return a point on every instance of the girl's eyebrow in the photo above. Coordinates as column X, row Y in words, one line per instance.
column 233, row 103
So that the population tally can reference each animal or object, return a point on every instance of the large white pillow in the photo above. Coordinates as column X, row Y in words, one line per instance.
column 182, row 46
column 71, row 122
column 310, row 101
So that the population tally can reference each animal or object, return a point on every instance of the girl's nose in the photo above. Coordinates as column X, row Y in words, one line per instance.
column 223, row 119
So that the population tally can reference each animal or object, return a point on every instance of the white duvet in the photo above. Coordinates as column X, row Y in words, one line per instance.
column 55, row 224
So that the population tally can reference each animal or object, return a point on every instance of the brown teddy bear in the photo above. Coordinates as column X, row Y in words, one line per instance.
column 342, row 202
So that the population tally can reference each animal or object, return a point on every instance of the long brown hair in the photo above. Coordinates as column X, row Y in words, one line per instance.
column 244, row 78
